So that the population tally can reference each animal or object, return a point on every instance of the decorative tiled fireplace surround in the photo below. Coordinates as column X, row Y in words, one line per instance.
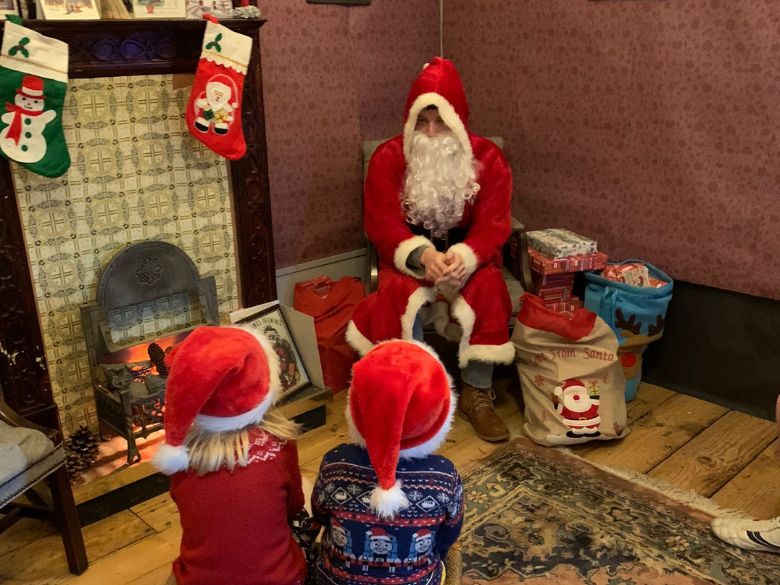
column 136, row 175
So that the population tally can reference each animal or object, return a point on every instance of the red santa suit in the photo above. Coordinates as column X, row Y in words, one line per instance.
column 482, row 307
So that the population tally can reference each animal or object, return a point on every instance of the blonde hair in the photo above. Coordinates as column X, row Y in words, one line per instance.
column 210, row 451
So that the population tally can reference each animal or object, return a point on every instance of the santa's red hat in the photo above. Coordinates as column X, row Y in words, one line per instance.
column 221, row 379
column 400, row 406
column 570, row 385
column 438, row 84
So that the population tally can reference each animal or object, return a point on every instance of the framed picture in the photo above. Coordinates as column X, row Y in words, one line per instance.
column 271, row 323
column 69, row 9
column 158, row 8
column 219, row 8
column 8, row 7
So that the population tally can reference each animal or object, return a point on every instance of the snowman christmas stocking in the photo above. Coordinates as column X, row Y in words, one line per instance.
column 214, row 109
column 33, row 80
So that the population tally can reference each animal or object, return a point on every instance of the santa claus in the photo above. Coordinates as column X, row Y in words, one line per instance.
column 437, row 209
column 214, row 106
column 578, row 409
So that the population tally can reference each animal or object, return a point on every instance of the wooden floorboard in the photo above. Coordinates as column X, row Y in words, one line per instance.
column 144, row 558
column 709, row 460
column 658, row 434
column 44, row 560
column 160, row 512
column 682, row 440
column 755, row 489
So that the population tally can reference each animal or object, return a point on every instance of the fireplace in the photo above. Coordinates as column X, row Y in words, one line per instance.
column 149, row 298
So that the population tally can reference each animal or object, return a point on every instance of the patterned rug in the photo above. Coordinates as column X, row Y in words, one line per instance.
column 539, row 515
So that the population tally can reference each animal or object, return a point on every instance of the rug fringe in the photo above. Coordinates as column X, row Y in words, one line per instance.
column 687, row 497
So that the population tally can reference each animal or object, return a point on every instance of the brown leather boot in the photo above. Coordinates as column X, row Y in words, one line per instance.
column 476, row 406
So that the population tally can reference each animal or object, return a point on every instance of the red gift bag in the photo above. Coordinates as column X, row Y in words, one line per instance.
column 331, row 304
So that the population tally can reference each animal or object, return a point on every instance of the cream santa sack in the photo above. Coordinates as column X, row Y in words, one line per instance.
column 572, row 382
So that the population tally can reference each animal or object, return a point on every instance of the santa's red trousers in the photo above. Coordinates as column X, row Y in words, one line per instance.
column 482, row 308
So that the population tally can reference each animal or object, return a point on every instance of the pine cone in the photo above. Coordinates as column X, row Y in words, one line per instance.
column 157, row 357
column 81, row 450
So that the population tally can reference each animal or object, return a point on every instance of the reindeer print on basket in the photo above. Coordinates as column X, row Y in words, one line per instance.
column 633, row 343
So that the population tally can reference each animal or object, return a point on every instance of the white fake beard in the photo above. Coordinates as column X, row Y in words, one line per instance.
column 440, row 180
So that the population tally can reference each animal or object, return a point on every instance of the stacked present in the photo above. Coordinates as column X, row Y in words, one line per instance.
column 553, row 288
column 556, row 255
column 633, row 273
column 558, row 243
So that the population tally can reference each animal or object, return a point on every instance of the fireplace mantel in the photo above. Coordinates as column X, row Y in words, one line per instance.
column 104, row 48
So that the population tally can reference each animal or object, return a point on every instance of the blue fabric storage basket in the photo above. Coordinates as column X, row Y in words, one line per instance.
column 636, row 315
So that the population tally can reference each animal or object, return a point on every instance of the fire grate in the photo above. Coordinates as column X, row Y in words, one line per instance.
column 148, row 282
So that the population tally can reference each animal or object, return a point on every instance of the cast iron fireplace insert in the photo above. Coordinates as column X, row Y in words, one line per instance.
column 141, row 281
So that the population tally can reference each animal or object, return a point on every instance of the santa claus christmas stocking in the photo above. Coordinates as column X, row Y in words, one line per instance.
column 33, row 80
column 214, row 110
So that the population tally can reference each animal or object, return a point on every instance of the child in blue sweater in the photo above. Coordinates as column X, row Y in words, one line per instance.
column 390, row 509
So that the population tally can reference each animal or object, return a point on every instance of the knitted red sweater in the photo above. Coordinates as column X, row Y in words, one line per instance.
column 235, row 525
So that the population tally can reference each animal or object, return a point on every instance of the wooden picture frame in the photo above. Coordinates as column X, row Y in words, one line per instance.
column 8, row 7
column 103, row 48
column 293, row 376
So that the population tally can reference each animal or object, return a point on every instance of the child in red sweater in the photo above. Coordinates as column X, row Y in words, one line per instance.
column 234, row 465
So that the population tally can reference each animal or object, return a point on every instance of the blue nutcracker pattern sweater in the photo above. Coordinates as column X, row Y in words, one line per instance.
column 358, row 547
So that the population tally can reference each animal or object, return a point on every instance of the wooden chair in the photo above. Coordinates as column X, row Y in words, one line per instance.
column 30, row 454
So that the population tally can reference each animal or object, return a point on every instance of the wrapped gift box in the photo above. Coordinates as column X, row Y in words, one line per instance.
column 633, row 273
column 557, row 294
column 542, row 281
column 560, row 243
column 545, row 265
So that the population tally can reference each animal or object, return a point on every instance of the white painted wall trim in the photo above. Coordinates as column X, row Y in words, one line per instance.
column 353, row 263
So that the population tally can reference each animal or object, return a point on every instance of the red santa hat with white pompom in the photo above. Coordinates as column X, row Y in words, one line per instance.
column 221, row 379
column 569, row 386
column 400, row 405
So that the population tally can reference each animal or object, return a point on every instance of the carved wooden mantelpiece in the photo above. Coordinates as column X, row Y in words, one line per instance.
column 103, row 48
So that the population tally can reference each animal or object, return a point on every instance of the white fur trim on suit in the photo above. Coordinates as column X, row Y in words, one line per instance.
column 402, row 252
column 357, row 340
column 416, row 300
column 497, row 354
column 170, row 459
column 387, row 502
column 221, row 424
column 448, row 115
column 470, row 259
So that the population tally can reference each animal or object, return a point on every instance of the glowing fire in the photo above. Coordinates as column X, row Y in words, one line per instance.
column 140, row 353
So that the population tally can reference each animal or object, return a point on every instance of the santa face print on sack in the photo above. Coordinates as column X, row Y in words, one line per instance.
column 22, row 139
column 578, row 409
column 215, row 105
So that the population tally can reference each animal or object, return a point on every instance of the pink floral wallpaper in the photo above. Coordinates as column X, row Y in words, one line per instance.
column 651, row 125
column 333, row 77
